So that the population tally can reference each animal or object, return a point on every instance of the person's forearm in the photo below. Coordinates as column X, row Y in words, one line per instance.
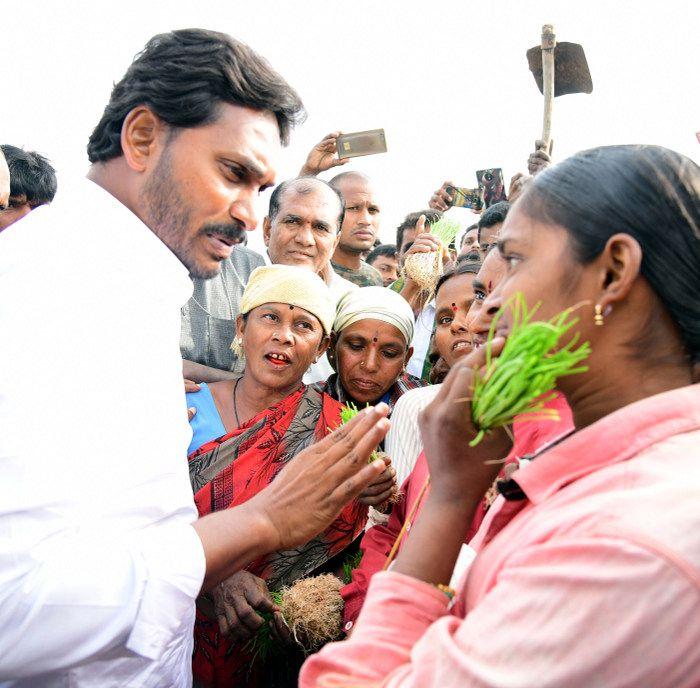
column 308, row 172
column 411, row 292
column 231, row 539
column 197, row 372
column 432, row 547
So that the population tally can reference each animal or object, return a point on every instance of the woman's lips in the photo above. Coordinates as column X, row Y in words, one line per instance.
column 368, row 385
column 462, row 344
column 277, row 359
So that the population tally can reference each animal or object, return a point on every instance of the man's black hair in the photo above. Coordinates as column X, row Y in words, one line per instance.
column 493, row 216
column 183, row 76
column 302, row 185
column 410, row 221
column 381, row 250
column 31, row 175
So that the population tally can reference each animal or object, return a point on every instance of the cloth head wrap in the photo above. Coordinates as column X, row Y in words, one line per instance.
column 289, row 284
column 376, row 303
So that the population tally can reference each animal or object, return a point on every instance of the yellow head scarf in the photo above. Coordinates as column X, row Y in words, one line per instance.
column 289, row 284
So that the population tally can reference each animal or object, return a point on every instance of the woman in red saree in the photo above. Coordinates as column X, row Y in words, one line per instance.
column 245, row 431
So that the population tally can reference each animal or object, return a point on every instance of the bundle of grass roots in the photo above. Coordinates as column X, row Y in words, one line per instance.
column 312, row 609
column 522, row 379
column 425, row 268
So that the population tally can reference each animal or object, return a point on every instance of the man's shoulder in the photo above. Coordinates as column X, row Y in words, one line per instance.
column 244, row 258
column 339, row 286
column 361, row 277
column 372, row 273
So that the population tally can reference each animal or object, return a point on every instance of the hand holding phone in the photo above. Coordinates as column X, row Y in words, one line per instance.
column 360, row 143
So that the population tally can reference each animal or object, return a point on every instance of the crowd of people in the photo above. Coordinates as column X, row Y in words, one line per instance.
column 190, row 427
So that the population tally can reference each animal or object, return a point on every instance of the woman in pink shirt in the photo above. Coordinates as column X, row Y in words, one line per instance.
column 589, row 575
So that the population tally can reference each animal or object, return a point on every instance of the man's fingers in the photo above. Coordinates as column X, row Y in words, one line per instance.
column 348, row 437
column 191, row 411
column 191, row 386
column 350, row 489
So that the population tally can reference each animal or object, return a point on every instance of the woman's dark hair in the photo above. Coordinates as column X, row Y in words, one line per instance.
column 461, row 269
column 648, row 192
column 183, row 76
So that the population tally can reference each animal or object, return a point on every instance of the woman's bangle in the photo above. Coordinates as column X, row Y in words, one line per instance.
column 450, row 592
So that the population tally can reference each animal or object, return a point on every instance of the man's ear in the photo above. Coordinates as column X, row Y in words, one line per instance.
column 142, row 134
column 337, row 240
column 620, row 263
column 267, row 229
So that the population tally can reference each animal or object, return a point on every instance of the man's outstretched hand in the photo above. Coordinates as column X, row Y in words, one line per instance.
column 323, row 156
column 303, row 500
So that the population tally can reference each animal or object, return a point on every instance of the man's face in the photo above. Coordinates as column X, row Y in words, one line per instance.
column 199, row 196
column 470, row 243
column 17, row 208
column 489, row 237
column 305, row 230
column 388, row 267
column 409, row 236
column 361, row 222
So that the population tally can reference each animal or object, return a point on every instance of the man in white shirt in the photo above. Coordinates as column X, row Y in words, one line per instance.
column 101, row 552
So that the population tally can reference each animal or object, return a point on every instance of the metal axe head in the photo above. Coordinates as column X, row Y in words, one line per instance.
column 571, row 73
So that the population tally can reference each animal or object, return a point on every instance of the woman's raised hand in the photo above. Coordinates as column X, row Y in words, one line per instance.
column 446, row 427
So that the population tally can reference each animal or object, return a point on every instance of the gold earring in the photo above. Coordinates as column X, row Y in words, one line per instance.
column 237, row 347
column 598, row 317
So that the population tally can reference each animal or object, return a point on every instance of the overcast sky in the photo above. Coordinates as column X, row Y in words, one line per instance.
column 448, row 81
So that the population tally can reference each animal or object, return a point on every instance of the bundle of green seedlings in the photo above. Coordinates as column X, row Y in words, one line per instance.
column 522, row 379
column 347, row 413
column 312, row 609
column 425, row 268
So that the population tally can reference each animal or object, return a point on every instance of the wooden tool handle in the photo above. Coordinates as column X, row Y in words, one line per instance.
column 549, row 42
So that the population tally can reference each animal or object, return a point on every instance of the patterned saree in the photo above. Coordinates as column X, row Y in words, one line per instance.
column 230, row 470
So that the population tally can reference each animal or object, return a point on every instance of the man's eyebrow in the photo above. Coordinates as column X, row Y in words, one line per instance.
column 322, row 224
column 290, row 216
column 248, row 164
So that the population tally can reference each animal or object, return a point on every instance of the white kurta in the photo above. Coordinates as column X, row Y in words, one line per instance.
column 99, row 564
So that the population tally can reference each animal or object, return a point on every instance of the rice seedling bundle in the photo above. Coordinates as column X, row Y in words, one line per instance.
column 425, row 268
column 521, row 380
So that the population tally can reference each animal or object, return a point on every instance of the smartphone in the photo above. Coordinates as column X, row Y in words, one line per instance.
column 491, row 185
column 359, row 143
column 465, row 198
